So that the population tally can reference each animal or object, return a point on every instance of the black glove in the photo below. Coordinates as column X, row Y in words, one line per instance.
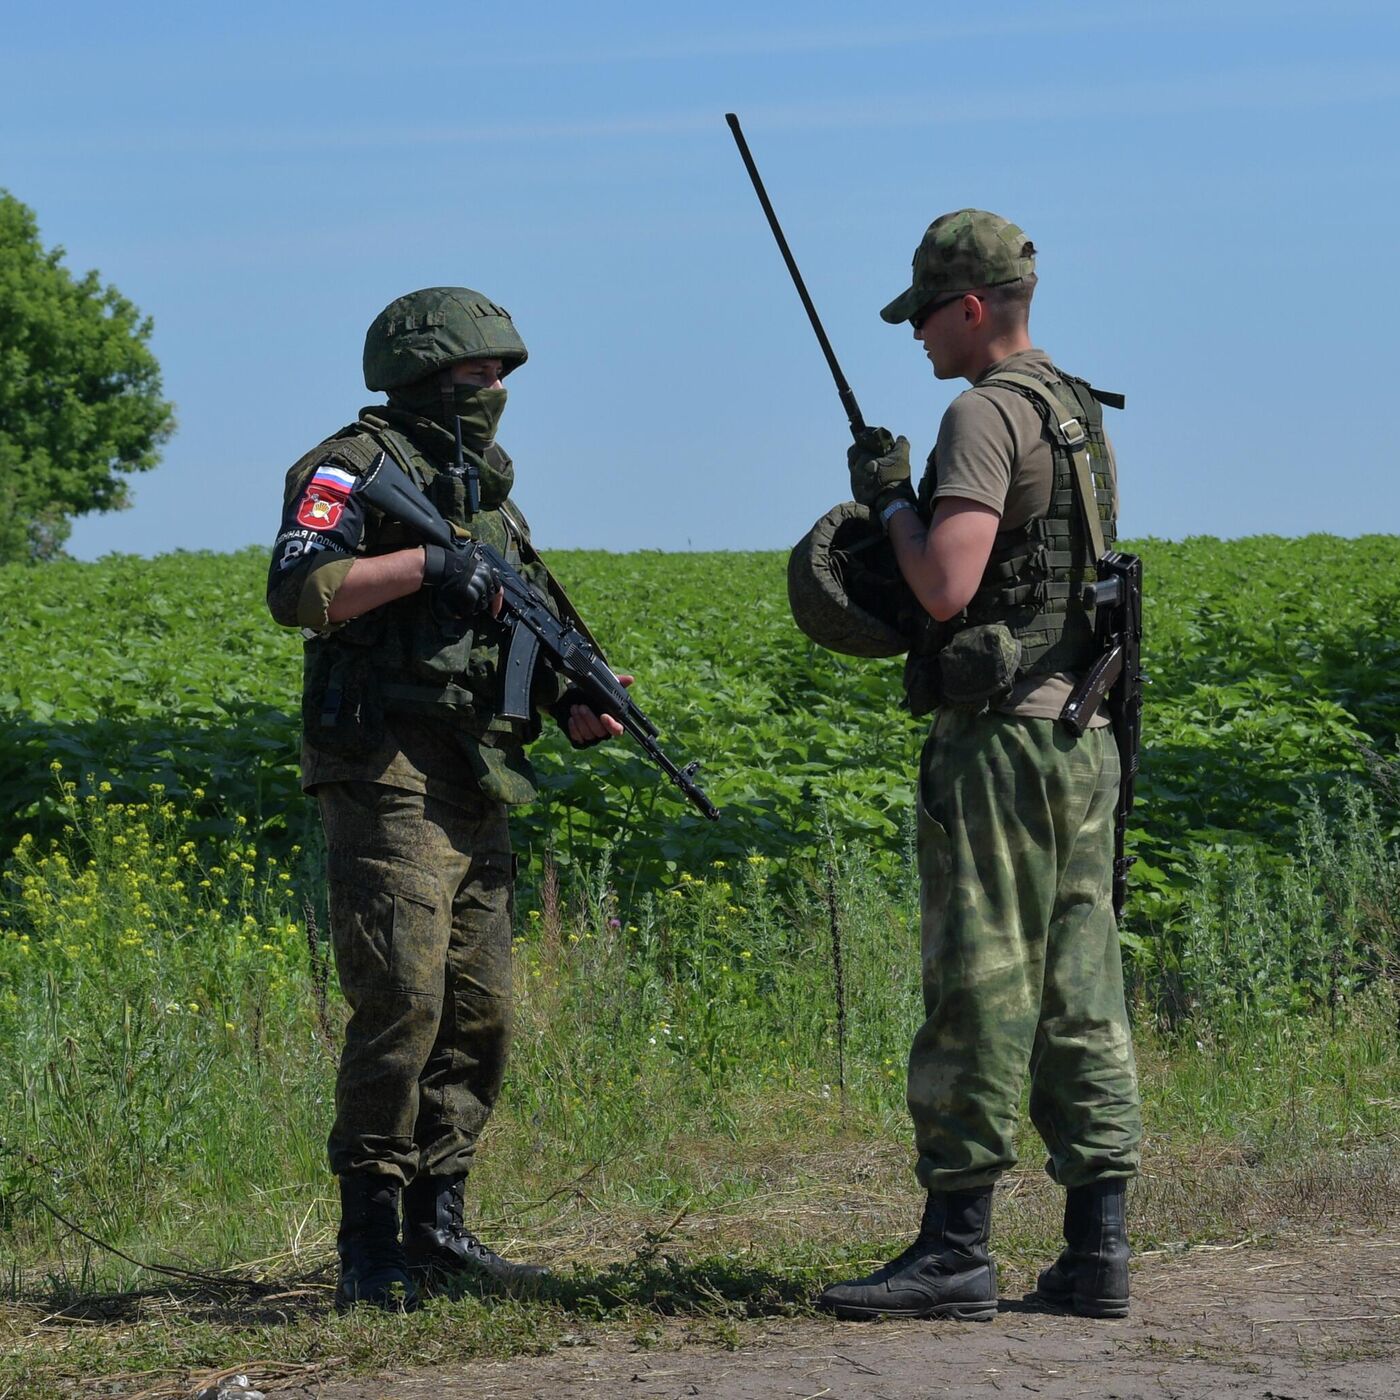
column 562, row 709
column 879, row 467
column 464, row 582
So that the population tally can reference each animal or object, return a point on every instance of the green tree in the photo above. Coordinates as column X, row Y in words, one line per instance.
column 80, row 393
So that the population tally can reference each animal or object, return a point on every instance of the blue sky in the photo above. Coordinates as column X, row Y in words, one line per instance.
column 1213, row 188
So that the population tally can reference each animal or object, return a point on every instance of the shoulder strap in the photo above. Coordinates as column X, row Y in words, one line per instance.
column 1068, row 432
column 516, row 525
column 394, row 444
column 531, row 555
column 1107, row 397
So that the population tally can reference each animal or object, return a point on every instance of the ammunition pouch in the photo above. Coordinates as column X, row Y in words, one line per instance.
column 979, row 665
column 923, row 685
column 439, row 646
column 448, row 492
column 342, row 705
column 923, row 677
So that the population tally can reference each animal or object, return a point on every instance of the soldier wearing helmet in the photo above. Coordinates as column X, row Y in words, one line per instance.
column 414, row 771
column 1021, row 961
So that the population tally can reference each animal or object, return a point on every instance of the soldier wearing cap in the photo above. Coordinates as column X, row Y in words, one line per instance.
column 414, row 771
column 1021, row 961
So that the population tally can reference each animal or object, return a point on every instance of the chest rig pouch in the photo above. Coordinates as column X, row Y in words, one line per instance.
column 436, row 662
column 1028, row 617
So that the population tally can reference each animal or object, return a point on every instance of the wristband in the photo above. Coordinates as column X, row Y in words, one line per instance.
column 895, row 506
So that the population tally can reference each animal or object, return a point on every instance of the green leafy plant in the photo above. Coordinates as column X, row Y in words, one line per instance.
column 1268, row 681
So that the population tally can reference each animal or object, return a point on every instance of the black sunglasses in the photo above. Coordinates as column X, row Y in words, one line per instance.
column 924, row 312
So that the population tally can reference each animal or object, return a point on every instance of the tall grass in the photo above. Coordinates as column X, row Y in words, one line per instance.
column 170, row 1035
column 1301, row 935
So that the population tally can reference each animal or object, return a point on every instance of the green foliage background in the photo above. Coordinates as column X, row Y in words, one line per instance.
column 691, row 1054
column 80, row 392
column 1273, row 663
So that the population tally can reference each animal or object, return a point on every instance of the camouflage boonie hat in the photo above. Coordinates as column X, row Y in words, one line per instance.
column 423, row 332
column 960, row 251
column 845, row 589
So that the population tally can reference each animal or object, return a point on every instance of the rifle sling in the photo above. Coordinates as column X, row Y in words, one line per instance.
column 528, row 552
column 531, row 555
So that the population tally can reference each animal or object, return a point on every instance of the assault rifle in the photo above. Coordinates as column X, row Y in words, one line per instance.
column 1116, row 601
column 534, row 630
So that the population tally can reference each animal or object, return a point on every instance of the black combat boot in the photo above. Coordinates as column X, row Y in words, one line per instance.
column 372, row 1268
column 946, row 1272
column 1091, row 1274
column 436, row 1240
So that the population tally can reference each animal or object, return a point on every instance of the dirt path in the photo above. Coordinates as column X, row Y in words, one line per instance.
column 1209, row 1325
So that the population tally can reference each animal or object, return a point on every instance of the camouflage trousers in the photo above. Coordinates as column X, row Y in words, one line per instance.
column 421, row 905
column 1021, row 962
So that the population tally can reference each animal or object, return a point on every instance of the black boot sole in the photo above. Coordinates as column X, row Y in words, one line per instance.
column 953, row 1312
column 1110, row 1308
column 1106, row 1308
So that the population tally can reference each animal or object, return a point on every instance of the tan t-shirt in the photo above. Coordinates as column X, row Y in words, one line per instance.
column 993, row 448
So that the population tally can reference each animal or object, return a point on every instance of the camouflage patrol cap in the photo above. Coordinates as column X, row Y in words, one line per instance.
column 845, row 589
column 960, row 251
column 420, row 333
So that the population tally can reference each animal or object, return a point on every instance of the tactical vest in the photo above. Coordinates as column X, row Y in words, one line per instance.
column 1035, row 574
column 405, row 655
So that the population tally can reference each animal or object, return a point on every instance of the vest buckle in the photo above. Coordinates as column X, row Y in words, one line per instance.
column 1072, row 433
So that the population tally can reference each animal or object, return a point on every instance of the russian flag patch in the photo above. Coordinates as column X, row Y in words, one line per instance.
column 334, row 480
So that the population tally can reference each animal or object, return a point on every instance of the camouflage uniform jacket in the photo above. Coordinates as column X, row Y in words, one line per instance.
column 400, row 696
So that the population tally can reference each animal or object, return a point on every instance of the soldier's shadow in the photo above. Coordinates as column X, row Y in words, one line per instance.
column 713, row 1288
column 661, row 1285
column 232, row 1303
column 664, row 1286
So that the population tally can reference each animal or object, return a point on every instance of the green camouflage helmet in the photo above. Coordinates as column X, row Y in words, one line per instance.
column 423, row 332
column 961, row 251
column 845, row 589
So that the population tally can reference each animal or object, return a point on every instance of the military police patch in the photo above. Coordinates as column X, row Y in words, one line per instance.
column 326, row 514
column 319, row 509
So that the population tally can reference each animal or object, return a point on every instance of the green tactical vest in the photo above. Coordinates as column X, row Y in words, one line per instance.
column 403, row 657
column 1032, row 585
